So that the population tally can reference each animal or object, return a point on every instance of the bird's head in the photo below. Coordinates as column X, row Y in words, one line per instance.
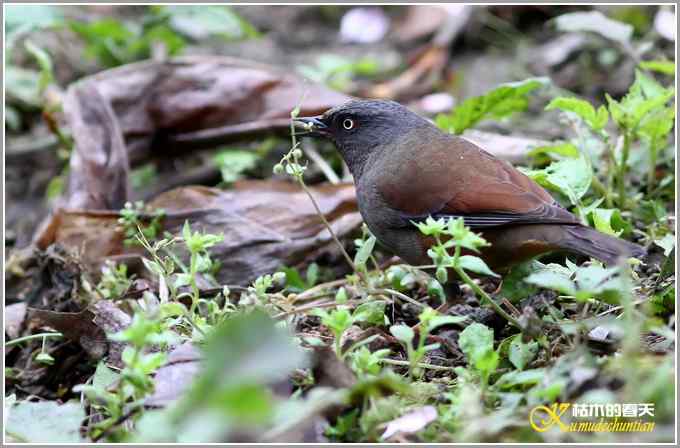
column 359, row 128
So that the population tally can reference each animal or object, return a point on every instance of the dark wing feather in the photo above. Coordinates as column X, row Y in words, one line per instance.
column 452, row 177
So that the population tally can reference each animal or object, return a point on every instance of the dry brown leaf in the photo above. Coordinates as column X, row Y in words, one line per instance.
column 176, row 375
column 266, row 225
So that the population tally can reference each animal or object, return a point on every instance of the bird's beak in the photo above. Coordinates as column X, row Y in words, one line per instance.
column 313, row 126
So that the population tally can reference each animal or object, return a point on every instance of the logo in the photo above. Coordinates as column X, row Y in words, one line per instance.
column 593, row 417
column 543, row 418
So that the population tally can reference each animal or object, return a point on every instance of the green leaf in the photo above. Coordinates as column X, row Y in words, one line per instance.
column 337, row 320
column 45, row 422
column 487, row 363
column 438, row 321
column 644, row 96
column 667, row 243
column 476, row 341
column 665, row 67
column 610, row 221
column 595, row 22
column 514, row 287
column 475, row 264
column 462, row 236
column 431, row 226
column 247, row 349
column 103, row 376
column 516, row 378
column 173, row 309
column 596, row 281
column 44, row 62
column 44, row 358
column 495, row 104
column 402, row 333
column 595, row 119
column 571, row 177
column 658, row 123
column 364, row 252
column 434, row 288
column 370, row 312
column 521, row 354
column 23, row 86
column 312, row 274
column 232, row 163
column 562, row 149
column 552, row 278
column 341, row 296
column 201, row 22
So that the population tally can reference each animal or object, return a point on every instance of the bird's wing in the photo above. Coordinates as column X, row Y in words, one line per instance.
column 453, row 177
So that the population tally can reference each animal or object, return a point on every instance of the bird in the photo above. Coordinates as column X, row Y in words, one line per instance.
column 406, row 169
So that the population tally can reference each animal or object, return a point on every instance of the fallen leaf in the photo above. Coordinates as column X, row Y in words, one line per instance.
column 172, row 379
column 199, row 101
column 88, row 328
column 45, row 422
column 412, row 422
column 266, row 225
column 78, row 327
column 98, row 166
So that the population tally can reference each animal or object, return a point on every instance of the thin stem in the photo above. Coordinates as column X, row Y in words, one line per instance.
column 325, row 168
column 480, row 293
column 31, row 337
column 361, row 343
column 651, row 174
column 328, row 226
column 422, row 365
column 399, row 295
column 621, row 178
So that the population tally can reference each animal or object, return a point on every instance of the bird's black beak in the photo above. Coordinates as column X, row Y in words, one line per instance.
column 313, row 126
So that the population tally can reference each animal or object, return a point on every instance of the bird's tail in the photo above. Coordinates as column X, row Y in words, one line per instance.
column 606, row 248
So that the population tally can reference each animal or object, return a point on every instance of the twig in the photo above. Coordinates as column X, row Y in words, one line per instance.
column 321, row 286
column 399, row 295
column 325, row 168
column 422, row 365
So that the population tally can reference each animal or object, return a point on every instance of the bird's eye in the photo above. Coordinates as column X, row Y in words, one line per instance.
column 348, row 123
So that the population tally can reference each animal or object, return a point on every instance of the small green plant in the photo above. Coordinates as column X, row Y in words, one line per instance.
column 337, row 71
column 132, row 222
column 476, row 341
column 454, row 234
column 232, row 163
column 113, row 42
column 498, row 103
column 365, row 362
column 114, row 281
column 581, row 282
column 265, row 282
column 198, row 244
column 118, row 399
column 644, row 119
column 429, row 320
column 338, row 321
